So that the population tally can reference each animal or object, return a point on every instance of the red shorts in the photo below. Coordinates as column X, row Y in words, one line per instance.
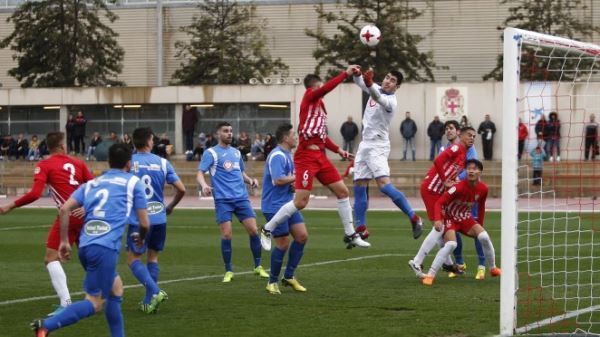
column 429, row 199
column 309, row 164
column 53, row 240
column 463, row 226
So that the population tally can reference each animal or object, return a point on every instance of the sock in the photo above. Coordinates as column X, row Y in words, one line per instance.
column 488, row 248
column 361, row 204
column 59, row 282
column 430, row 240
column 399, row 199
column 441, row 256
column 458, row 251
column 296, row 252
column 276, row 262
column 480, row 254
column 345, row 212
column 70, row 315
column 284, row 213
column 226, row 252
column 154, row 270
column 256, row 249
column 143, row 276
column 114, row 316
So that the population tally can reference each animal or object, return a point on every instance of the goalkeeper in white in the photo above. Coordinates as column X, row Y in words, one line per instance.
column 371, row 160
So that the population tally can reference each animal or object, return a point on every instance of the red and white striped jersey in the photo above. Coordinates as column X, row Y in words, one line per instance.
column 63, row 175
column 457, row 202
column 313, row 115
column 446, row 167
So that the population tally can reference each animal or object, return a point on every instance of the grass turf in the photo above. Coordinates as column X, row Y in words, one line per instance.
column 368, row 292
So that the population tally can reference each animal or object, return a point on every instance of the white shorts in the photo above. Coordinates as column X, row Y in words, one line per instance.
column 372, row 160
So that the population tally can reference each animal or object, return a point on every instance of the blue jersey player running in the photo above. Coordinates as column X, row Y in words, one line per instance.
column 226, row 168
column 154, row 172
column 452, row 128
column 278, row 189
column 108, row 201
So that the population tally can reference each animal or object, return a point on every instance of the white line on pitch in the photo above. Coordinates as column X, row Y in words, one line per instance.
column 23, row 227
column 556, row 319
column 198, row 278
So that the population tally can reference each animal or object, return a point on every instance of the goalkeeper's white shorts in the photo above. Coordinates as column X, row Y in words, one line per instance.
column 371, row 160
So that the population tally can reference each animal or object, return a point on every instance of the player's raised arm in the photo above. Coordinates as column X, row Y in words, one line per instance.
column 331, row 84
column 388, row 101
column 39, row 182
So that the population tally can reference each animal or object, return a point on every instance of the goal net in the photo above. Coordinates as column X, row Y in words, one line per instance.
column 550, row 245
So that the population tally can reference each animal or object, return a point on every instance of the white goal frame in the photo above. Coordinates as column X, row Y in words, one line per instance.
column 513, row 39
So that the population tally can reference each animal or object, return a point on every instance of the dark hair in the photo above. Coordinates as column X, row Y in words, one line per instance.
column 398, row 75
column 553, row 114
column 221, row 124
column 282, row 131
column 54, row 139
column 452, row 122
column 141, row 137
column 311, row 79
column 467, row 128
column 118, row 155
column 476, row 162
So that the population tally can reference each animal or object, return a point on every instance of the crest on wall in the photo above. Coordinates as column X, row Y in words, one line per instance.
column 452, row 102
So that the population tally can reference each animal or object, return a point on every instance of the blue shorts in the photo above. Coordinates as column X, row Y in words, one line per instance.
column 242, row 209
column 284, row 228
column 100, row 264
column 155, row 238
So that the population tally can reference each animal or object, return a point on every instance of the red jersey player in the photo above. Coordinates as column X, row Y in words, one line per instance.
column 442, row 175
column 63, row 175
column 452, row 213
column 310, row 160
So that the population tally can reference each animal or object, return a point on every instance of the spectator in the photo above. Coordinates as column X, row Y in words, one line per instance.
column 523, row 133
column 96, row 139
column 127, row 141
column 43, row 149
column 79, row 133
column 487, row 129
column 211, row 141
column 553, row 137
column 189, row 119
column 540, row 131
column 7, row 147
column 408, row 130
column 70, row 128
column 101, row 152
column 270, row 144
column 34, row 152
column 21, row 147
column 244, row 145
column 199, row 149
column 435, row 131
column 349, row 131
column 537, row 156
column 591, row 138
column 162, row 146
column 258, row 147
column 464, row 122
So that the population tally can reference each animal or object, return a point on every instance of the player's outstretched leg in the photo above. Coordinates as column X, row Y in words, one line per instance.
column 282, row 215
column 430, row 241
column 440, row 257
column 361, row 204
column 488, row 250
column 351, row 238
column 70, row 315
column 58, row 279
column 400, row 200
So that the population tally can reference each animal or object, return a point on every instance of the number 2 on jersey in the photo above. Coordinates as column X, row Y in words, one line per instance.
column 69, row 167
column 103, row 194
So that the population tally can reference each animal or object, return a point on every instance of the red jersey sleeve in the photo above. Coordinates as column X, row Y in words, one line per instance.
column 445, row 199
column 327, row 87
column 329, row 144
column 481, row 203
column 40, row 176
column 446, row 156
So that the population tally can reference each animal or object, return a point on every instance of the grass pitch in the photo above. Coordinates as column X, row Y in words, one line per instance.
column 369, row 292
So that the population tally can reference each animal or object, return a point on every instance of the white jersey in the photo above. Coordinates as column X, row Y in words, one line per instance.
column 379, row 112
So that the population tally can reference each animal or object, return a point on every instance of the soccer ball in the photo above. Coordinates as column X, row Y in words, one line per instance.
column 370, row 35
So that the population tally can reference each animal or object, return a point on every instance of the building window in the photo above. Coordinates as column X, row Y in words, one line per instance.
column 30, row 120
column 249, row 117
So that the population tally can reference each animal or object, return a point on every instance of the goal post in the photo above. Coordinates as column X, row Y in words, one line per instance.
column 550, row 254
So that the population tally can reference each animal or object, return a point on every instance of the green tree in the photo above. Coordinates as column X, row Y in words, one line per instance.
column 397, row 49
column 227, row 46
column 552, row 17
column 63, row 43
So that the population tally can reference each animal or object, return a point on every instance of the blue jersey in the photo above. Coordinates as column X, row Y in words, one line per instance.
column 225, row 166
column 108, row 201
column 279, row 164
column 154, row 172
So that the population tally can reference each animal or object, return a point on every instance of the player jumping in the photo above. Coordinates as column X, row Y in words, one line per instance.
column 310, row 161
column 63, row 175
column 371, row 160
column 226, row 167
column 277, row 191
column 154, row 172
column 452, row 213
column 441, row 176
column 108, row 202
